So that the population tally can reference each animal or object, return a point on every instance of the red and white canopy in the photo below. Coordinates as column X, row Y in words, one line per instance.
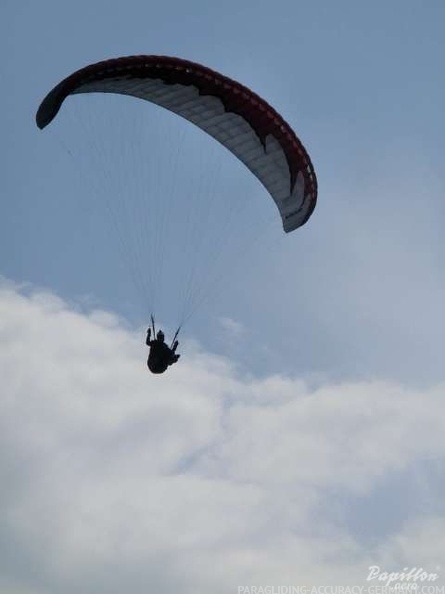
column 235, row 116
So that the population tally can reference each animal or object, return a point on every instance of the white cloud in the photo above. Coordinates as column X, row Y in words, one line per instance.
column 358, row 292
column 232, row 327
column 198, row 480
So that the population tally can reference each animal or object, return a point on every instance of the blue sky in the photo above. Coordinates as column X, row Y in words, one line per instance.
column 360, row 86
column 309, row 398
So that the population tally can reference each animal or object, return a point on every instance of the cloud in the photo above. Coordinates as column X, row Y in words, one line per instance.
column 232, row 327
column 202, row 479
column 358, row 292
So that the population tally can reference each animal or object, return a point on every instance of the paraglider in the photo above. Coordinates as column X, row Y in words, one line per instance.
column 161, row 356
column 226, row 110
column 231, row 113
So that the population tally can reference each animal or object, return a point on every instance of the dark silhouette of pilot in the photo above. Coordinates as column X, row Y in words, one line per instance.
column 160, row 356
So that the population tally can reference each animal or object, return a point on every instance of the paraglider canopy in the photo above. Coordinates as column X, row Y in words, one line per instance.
column 226, row 110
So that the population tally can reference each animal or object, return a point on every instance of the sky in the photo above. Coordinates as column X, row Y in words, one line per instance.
column 300, row 439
